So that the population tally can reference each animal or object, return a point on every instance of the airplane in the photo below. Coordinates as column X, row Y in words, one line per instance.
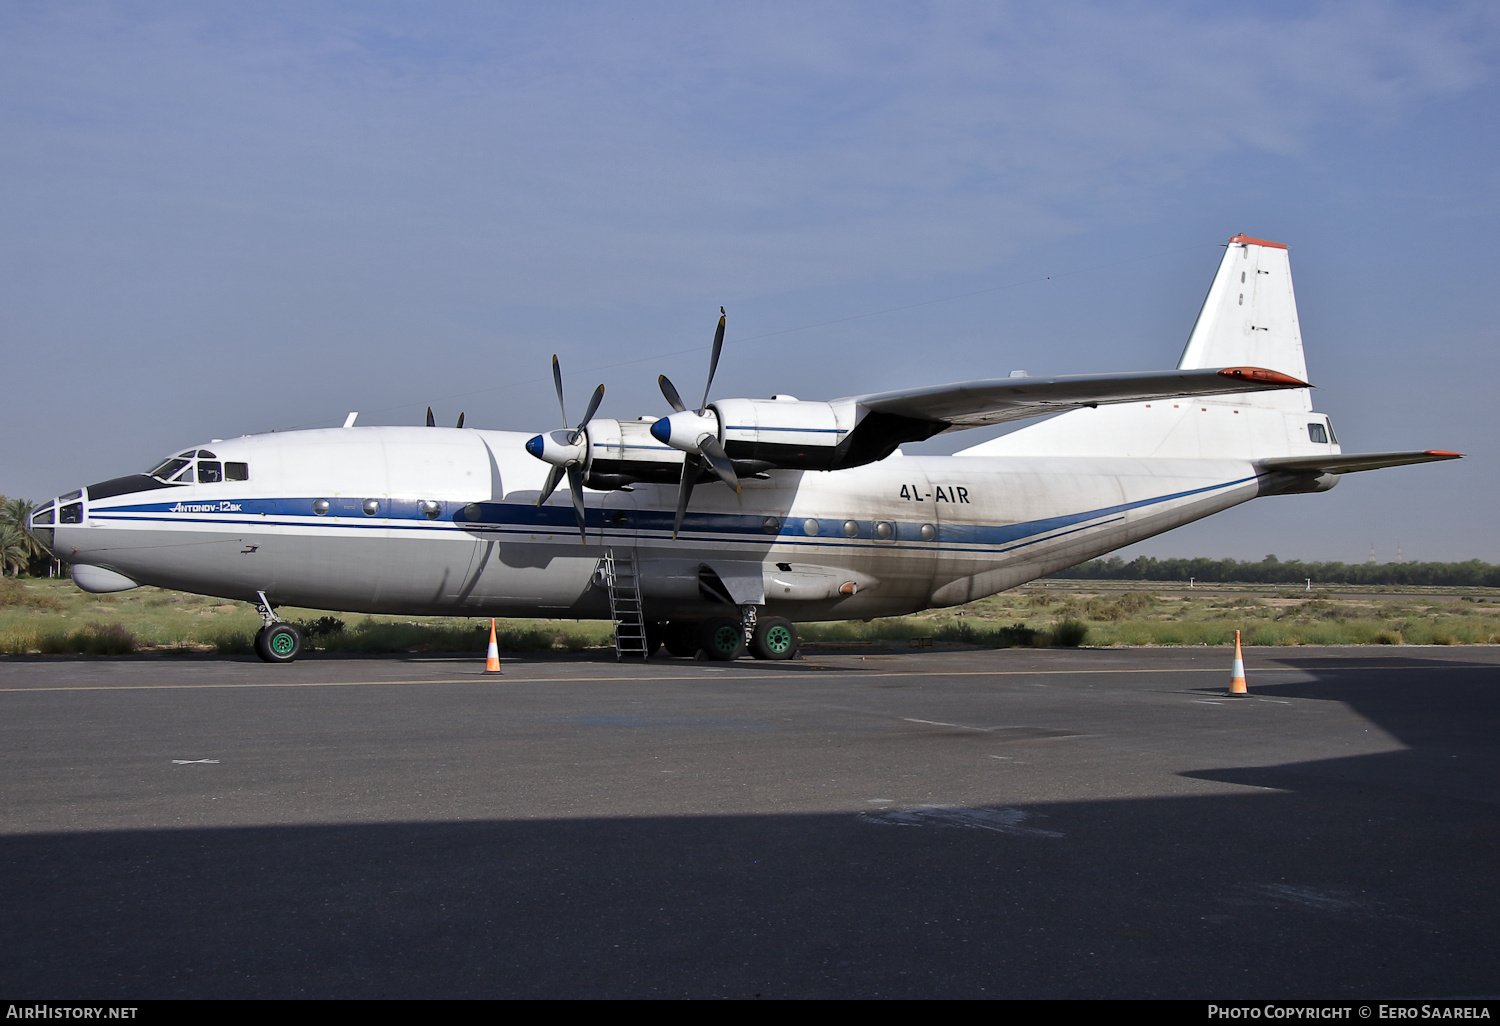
column 728, row 523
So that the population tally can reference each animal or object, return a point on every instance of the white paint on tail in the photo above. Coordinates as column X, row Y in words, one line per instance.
column 1249, row 319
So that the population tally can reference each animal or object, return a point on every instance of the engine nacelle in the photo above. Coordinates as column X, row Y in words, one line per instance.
column 785, row 432
column 622, row 452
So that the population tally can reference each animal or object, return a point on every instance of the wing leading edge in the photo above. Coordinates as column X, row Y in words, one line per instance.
column 970, row 404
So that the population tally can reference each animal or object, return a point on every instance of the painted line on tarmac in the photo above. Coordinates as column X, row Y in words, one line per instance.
column 831, row 672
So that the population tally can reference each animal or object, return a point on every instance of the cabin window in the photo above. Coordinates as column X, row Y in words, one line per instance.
column 321, row 507
column 771, row 525
column 210, row 472
column 236, row 471
column 370, row 506
column 430, row 509
column 851, row 528
column 884, row 530
column 1317, row 433
column 810, row 527
column 928, row 532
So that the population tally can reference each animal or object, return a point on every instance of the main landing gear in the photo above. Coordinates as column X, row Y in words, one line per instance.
column 724, row 638
column 278, row 641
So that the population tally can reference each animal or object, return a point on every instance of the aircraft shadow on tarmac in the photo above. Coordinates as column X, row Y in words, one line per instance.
column 1367, row 876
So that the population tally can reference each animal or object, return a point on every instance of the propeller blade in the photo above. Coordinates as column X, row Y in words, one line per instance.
column 460, row 420
column 673, row 399
column 719, row 461
column 430, row 421
column 588, row 416
column 557, row 380
column 575, row 485
column 553, row 476
column 690, row 470
column 713, row 362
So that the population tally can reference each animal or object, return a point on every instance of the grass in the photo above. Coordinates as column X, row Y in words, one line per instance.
column 54, row 617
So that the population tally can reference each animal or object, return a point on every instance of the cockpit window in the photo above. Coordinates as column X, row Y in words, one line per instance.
column 169, row 467
column 201, row 466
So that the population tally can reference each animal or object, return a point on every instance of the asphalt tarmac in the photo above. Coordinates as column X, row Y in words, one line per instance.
column 1020, row 823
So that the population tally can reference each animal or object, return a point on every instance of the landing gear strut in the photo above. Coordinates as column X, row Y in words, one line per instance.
column 278, row 641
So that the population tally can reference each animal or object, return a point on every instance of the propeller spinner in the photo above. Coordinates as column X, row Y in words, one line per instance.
column 566, row 450
column 696, row 433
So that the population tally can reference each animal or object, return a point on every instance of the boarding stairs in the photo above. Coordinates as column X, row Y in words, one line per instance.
column 624, row 586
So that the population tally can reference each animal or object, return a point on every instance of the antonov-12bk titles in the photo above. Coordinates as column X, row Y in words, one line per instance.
column 725, row 524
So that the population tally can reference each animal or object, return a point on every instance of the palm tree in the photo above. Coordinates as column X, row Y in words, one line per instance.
column 15, row 516
column 15, row 549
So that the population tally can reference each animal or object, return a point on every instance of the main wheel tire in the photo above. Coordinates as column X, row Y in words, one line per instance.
column 775, row 638
column 681, row 638
column 655, row 631
column 723, row 639
column 279, row 643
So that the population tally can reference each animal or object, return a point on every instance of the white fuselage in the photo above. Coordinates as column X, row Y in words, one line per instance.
column 454, row 529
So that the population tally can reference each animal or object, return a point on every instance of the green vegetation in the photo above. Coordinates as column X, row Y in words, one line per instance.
column 1471, row 574
column 54, row 617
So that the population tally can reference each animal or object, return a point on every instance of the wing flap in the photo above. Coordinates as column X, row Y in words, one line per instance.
column 1349, row 463
column 970, row 404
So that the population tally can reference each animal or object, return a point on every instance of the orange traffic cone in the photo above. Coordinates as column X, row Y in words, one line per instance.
column 1237, row 674
column 492, row 658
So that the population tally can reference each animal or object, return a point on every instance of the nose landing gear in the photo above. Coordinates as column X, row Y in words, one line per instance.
column 278, row 641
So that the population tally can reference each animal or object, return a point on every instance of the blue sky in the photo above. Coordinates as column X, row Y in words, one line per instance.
column 220, row 220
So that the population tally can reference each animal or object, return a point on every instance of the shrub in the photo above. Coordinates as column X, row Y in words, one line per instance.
column 95, row 639
column 1135, row 601
column 1069, row 633
column 12, row 592
column 1387, row 637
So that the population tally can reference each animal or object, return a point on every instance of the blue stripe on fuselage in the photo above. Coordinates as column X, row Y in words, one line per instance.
column 527, row 518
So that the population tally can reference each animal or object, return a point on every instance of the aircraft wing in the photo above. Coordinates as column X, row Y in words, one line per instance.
column 1348, row 463
column 970, row 404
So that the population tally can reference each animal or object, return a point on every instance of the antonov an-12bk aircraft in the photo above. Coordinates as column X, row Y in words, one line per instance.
column 724, row 525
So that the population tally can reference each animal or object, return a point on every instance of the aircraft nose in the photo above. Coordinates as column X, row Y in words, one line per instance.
column 535, row 446
column 661, row 430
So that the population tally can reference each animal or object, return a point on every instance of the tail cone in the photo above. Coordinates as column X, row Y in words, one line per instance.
column 1237, row 674
column 492, row 658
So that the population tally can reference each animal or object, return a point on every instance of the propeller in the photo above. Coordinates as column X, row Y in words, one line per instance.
column 432, row 421
column 696, row 433
column 566, row 450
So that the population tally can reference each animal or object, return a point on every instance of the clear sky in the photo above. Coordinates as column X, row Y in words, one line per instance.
column 221, row 219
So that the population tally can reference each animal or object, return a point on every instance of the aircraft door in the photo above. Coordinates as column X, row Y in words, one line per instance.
column 619, row 524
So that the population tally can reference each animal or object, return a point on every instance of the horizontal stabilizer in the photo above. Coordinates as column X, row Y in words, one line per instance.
column 1349, row 463
column 978, row 403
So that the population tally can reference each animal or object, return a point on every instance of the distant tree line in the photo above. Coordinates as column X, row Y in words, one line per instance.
column 1471, row 574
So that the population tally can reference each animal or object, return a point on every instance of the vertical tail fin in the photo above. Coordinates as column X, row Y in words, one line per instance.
column 1250, row 319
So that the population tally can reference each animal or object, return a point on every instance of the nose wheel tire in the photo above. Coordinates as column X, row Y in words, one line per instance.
column 723, row 639
column 775, row 638
column 278, row 643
